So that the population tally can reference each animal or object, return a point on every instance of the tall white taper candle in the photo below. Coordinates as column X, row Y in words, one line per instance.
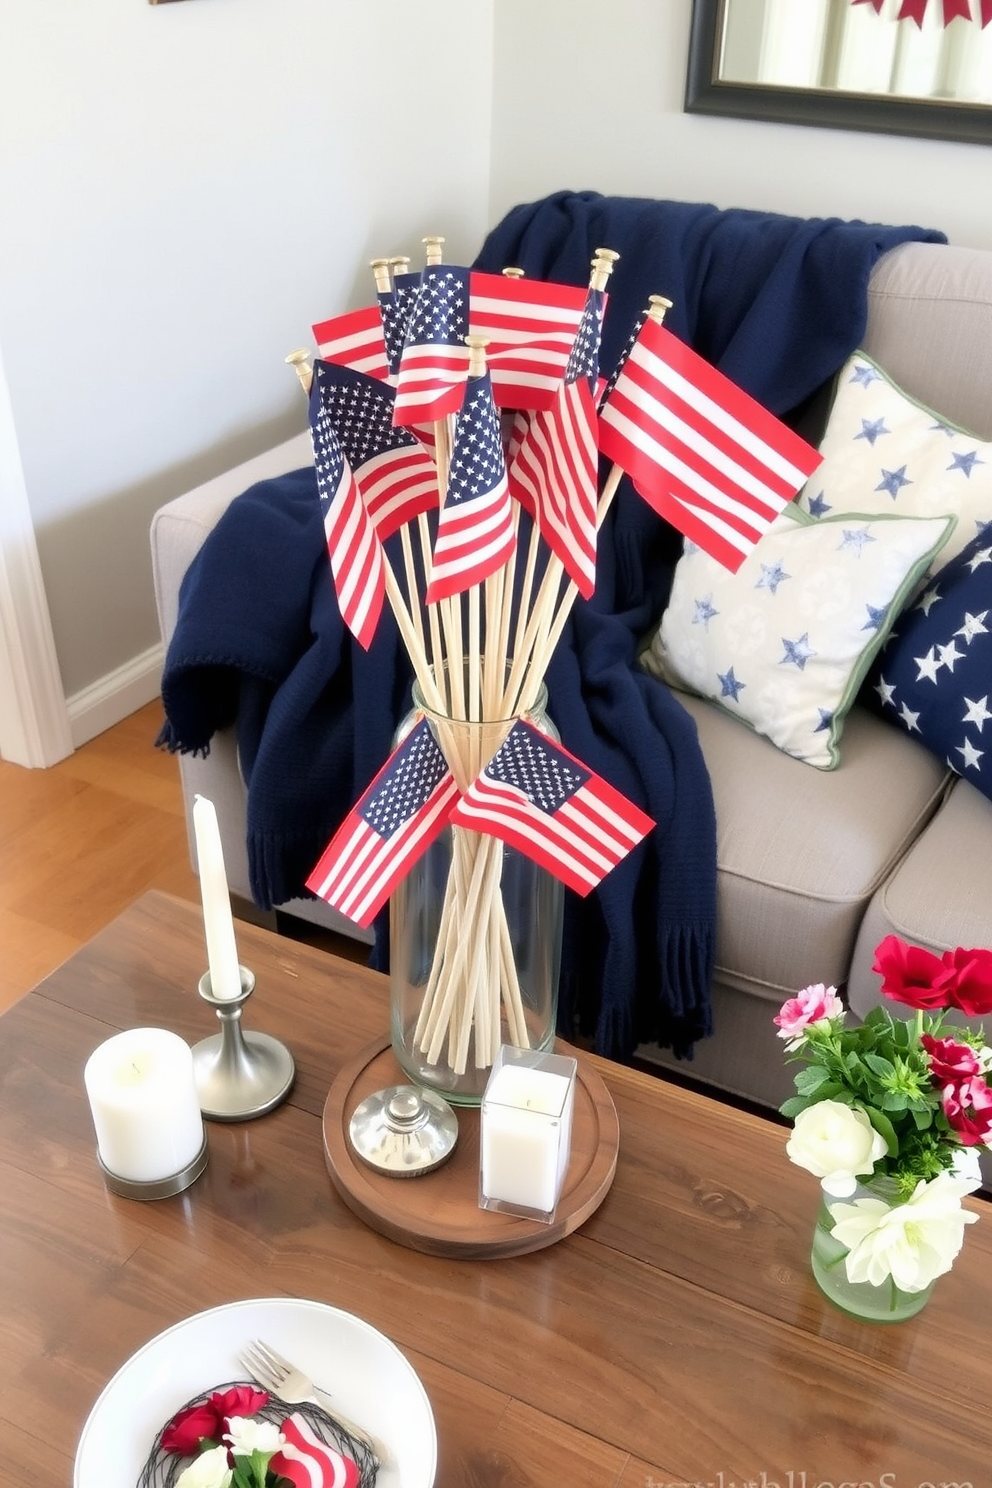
column 218, row 923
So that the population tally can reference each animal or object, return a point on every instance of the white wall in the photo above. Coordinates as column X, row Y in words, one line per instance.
column 184, row 189
column 607, row 116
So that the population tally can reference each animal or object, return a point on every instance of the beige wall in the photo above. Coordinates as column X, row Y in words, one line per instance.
column 183, row 189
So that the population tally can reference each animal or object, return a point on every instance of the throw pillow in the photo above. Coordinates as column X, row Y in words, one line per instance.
column 934, row 675
column 884, row 452
column 785, row 643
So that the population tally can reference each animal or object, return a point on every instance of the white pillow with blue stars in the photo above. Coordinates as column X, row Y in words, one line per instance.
column 884, row 452
column 784, row 643
column 933, row 677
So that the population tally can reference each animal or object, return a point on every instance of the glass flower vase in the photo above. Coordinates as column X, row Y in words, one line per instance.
column 475, row 936
column 885, row 1303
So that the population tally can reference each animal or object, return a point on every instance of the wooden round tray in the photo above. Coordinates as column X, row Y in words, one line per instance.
column 439, row 1213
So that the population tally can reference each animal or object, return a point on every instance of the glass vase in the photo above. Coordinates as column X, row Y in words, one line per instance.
column 475, row 936
column 886, row 1303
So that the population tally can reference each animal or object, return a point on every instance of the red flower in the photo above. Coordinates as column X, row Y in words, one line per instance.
column 968, row 1108
column 951, row 1063
column 208, row 1420
column 910, row 974
column 186, row 1430
column 971, row 988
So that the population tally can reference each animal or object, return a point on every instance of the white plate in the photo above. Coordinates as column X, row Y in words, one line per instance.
column 372, row 1383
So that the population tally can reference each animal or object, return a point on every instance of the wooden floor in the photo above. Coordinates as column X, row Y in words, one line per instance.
column 80, row 841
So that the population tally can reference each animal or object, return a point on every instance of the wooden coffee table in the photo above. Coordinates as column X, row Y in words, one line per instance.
column 676, row 1338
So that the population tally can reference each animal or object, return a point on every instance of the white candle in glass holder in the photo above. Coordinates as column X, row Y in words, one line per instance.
column 144, row 1104
column 526, row 1121
column 218, row 922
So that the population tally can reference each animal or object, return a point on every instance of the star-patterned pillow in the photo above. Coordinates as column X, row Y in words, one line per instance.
column 934, row 674
column 884, row 452
column 785, row 643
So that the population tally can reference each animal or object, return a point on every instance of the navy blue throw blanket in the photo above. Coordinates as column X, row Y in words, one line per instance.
column 778, row 304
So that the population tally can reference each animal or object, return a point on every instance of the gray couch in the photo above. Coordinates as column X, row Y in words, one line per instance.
column 814, row 867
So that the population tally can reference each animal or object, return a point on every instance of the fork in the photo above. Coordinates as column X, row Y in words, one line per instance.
column 291, row 1385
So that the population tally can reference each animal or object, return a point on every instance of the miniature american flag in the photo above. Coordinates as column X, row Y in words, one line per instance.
column 434, row 362
column 555, row 469
column 475, row 533
column 402, row 812
column 353, row 545
column 308, row 1462
column 354, row 340
column 531, row 327
column 537, row 797
column 702, row 452
column 396, row 476
column 395, row 307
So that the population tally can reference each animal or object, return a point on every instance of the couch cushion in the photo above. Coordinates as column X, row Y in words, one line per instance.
column 939, row 897
column 785, row 642
column 885, row 452
column 934, row 675
column 800, row 852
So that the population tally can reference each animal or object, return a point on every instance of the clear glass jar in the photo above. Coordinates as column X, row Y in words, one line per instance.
column 886, row 1303
column 475, row 936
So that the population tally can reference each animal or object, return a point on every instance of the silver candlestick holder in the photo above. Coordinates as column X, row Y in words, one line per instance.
column 238, row 1074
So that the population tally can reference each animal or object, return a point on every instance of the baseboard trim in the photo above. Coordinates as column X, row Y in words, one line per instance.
column 115, row 696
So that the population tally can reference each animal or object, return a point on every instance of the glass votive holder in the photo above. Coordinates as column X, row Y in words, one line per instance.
column 526, row 1132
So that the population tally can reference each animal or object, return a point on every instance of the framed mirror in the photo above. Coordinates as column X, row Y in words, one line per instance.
column 845, row 64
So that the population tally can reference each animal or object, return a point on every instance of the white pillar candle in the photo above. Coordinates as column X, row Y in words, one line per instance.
column 526, row 1125
column 218, row 922
column 144, row 1104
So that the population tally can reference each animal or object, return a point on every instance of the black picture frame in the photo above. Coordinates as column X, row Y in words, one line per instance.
column 706, row 94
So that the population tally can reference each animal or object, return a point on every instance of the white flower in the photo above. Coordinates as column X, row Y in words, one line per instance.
column 209, row 1470
column 914, row 1243
column 247, row 1435
column 835, row 1143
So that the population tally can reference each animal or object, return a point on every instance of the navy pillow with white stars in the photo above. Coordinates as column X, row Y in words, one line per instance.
column 933, row 677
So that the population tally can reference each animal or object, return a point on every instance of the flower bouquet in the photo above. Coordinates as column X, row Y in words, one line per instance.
column 236, row 1436
column 889, row 1115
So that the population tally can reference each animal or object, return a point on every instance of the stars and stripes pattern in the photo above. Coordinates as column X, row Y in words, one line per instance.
column 395, row 307
column 537, row 797
column 475, row 532
column 396, row 477
column 307, row 1462
column 555, row 469
column 531, row 326
column 703, row 453
column 399, row 816
column 434, row 361
column 353, row 545
column 354, row 340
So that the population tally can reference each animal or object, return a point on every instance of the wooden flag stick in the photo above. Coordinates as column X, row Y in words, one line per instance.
column 299, row 360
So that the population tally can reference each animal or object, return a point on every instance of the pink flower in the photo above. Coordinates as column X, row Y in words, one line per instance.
column 968, row 1108
column 951, row 1063
column 811, row 1005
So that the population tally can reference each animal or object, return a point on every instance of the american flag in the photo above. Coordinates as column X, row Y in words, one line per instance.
column 354, row 340
column 402, row 812
column 394, row 308
column 353, row 545
column 540, row 799
column 531, row 326
column 556, row 468
column 475, row 535
column 396, row 477
column 434, row 361
column 699, row 449
column 307, row 1462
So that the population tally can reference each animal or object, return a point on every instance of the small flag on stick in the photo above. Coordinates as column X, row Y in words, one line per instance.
column 354, row 340
column 702, row 452
column 434, row 361
column 540, row 799
column 475, row 534
column 353, row 545
column 531, row 327
column 396, row 477
column 399, row 816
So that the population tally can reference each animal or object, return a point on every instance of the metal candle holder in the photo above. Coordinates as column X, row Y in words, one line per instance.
column 239, row 1075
